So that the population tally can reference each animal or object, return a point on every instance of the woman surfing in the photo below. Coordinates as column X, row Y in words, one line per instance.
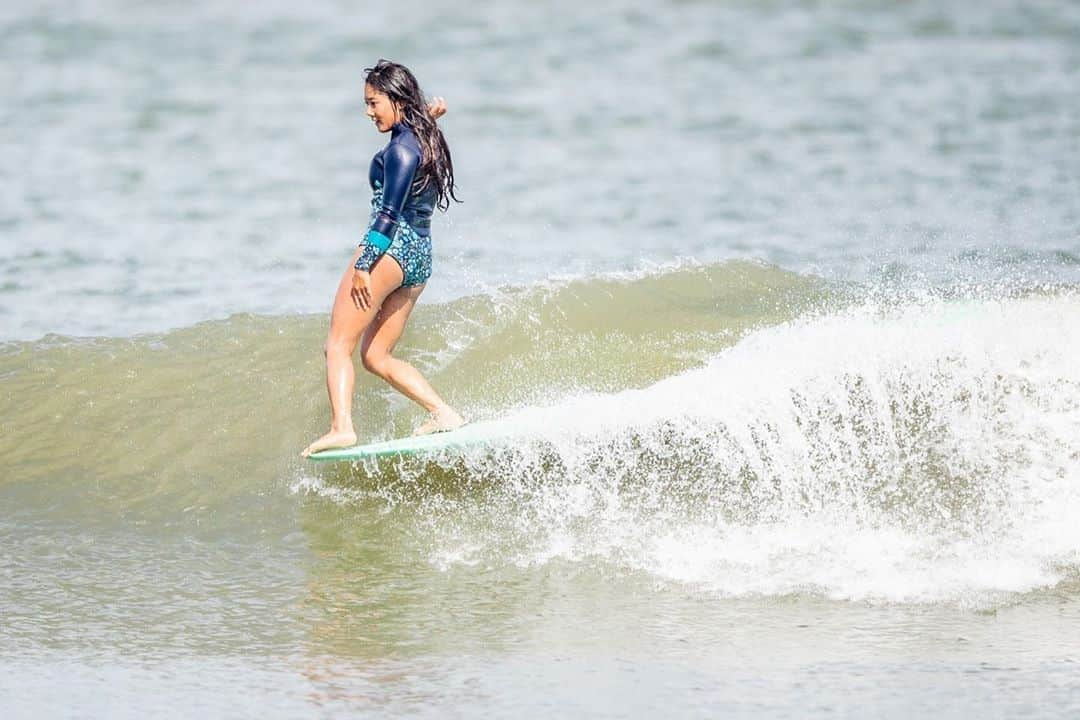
column 409, row 178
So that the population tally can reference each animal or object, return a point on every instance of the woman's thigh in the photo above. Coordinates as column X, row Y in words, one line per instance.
column 382, row 335
column 347, row 321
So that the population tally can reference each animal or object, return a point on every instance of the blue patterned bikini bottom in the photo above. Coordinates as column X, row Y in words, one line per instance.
column 409, row 248
column 413, row 253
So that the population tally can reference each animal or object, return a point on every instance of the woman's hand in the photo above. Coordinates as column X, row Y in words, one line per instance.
column 361, row 289
column 437, row 107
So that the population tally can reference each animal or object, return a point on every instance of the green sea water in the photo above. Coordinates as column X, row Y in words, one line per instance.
column 778, row 300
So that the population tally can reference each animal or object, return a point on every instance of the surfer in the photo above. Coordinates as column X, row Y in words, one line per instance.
column 409, row 178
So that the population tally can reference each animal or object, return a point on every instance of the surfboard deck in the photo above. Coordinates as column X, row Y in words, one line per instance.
column 471, row 435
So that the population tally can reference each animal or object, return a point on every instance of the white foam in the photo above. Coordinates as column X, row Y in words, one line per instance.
column 924, row 454
column 306, row 485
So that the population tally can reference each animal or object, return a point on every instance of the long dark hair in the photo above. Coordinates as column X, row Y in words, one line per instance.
column 436, row 167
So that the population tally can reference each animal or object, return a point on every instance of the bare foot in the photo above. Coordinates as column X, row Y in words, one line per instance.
column 441, row 420
column 332, row 439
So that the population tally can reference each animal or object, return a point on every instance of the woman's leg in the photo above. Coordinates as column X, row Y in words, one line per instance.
column 376, row 352
column 347, row 324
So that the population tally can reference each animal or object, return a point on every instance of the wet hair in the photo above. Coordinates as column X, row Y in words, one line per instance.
column 436, row 167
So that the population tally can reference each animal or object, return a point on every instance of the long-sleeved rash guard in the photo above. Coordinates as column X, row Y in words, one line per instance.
column 391, row 175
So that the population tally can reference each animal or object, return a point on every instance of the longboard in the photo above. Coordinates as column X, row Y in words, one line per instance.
column 474, row 434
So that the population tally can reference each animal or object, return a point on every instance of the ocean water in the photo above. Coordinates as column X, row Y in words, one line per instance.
column 781, row 302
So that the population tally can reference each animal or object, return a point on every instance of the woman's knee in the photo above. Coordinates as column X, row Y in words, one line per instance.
column 375, row 361
column 338, row 346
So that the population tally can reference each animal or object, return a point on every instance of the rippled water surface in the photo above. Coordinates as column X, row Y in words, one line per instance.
column 778, row 303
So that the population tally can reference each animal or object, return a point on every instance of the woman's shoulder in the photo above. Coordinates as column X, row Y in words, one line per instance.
column 405, row 136
column 403, row 148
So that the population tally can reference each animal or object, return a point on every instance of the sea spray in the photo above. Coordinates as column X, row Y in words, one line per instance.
column 733, row 427
column 923, row 453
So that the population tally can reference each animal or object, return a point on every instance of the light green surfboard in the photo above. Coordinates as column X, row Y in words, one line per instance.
column 472, row 435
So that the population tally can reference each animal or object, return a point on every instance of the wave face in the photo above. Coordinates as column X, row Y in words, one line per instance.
column 735, row 427
column 921, row 454
column 250, row 391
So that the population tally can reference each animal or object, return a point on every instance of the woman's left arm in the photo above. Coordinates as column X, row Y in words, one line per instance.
column 399, row 169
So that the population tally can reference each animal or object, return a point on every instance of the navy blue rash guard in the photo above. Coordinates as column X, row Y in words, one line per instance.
column 392, row 172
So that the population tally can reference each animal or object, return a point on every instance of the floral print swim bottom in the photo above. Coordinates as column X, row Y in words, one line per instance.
column 410, row 249
column 413, row 253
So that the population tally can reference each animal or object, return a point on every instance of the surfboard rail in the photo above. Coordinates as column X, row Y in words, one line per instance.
column 470, row 435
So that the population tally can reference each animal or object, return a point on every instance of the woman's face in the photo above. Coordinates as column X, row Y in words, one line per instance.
column 381, row 109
